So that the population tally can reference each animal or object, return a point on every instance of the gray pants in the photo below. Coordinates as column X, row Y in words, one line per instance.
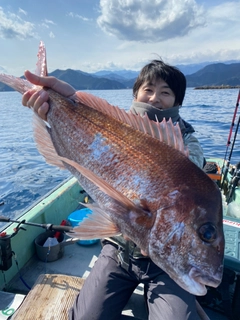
column 108, row 288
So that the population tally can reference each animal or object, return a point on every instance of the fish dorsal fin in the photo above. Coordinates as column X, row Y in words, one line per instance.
column 164, row 131
column 44, row 142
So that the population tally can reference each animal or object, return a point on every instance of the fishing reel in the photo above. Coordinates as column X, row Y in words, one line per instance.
column 235, row 182
column 6, row 252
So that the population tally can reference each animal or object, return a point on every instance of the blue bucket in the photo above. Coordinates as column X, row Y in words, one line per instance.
column 77, row 216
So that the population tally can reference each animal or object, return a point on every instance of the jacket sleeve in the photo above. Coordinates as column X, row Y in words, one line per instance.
column 195, row 149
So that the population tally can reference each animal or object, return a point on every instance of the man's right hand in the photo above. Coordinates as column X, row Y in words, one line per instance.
column 38, row 98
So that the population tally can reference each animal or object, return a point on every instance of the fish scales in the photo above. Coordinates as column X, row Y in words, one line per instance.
column 142, row 187
column 137, row 159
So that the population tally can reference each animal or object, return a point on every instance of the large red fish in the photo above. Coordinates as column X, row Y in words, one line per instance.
column 143, row 184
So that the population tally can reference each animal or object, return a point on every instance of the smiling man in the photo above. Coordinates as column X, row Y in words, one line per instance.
column 159, row 92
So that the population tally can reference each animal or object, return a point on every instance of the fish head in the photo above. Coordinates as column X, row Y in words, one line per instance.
column 187, row 240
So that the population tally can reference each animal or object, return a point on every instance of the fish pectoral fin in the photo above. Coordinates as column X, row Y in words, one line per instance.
column 44, row 142
column 96, row 225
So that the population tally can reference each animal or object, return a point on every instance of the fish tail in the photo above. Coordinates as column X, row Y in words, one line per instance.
column 21, row 85
column 41, row 69
column 18, row 84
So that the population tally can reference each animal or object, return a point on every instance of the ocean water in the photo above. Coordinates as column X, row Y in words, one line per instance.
column 25, row 177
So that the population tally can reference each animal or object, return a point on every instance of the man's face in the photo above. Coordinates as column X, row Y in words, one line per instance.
column 157, row 93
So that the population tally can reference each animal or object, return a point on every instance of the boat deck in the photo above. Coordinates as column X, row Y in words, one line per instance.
column 78, row 260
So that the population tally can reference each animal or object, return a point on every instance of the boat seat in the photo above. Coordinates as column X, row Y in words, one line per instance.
column 50, row 298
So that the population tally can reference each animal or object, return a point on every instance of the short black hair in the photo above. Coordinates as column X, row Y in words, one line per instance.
column 157, row 69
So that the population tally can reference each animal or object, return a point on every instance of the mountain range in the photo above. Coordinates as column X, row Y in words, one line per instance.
column 215, row 74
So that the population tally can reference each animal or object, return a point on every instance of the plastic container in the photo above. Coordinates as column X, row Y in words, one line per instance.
column 52, row 253
column 77, row 216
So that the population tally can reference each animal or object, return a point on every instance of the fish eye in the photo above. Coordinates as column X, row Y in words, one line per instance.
column 208, row 232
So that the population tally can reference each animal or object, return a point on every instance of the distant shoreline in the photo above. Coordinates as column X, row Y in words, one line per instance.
column 216, row 87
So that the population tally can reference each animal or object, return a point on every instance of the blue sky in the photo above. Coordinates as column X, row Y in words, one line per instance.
column 92, row 35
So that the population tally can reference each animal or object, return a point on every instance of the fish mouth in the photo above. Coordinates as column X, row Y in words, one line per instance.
column 205, row 280
column 196, row 281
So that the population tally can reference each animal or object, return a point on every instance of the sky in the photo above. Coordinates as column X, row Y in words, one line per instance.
column 93, row 35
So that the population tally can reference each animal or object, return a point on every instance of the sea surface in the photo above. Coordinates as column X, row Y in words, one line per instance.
column 25, row 177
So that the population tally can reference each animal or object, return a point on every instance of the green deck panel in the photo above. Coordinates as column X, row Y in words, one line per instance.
column 54, row 208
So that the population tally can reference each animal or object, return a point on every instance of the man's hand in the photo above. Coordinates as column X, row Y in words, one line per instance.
column 38, row 98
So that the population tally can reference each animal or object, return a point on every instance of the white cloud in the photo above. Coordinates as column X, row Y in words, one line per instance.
column 74, row 15
column 12, row 26
column 49, row 22
column 135, row 64
column 2, row 69
column 218, row 41
column 22, row 11
column 51, row 35
column 224, row 18
column 81, row 17
column 204, row 56
column 149, row 20
column 227, row 11
column 45, row 25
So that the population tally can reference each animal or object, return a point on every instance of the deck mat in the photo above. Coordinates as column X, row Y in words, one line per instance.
column 51, row 298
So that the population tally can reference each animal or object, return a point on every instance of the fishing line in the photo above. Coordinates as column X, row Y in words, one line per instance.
column 5, row 281
column 19, row 272
column 229, row 142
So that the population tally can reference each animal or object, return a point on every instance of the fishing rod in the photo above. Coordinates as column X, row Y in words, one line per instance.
column 51, row 227
column 236, row 176
column 226, row 168
column 234, row 140
column 233, row 120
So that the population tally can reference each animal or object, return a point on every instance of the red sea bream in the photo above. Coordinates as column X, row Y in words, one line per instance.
column 141, row 180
